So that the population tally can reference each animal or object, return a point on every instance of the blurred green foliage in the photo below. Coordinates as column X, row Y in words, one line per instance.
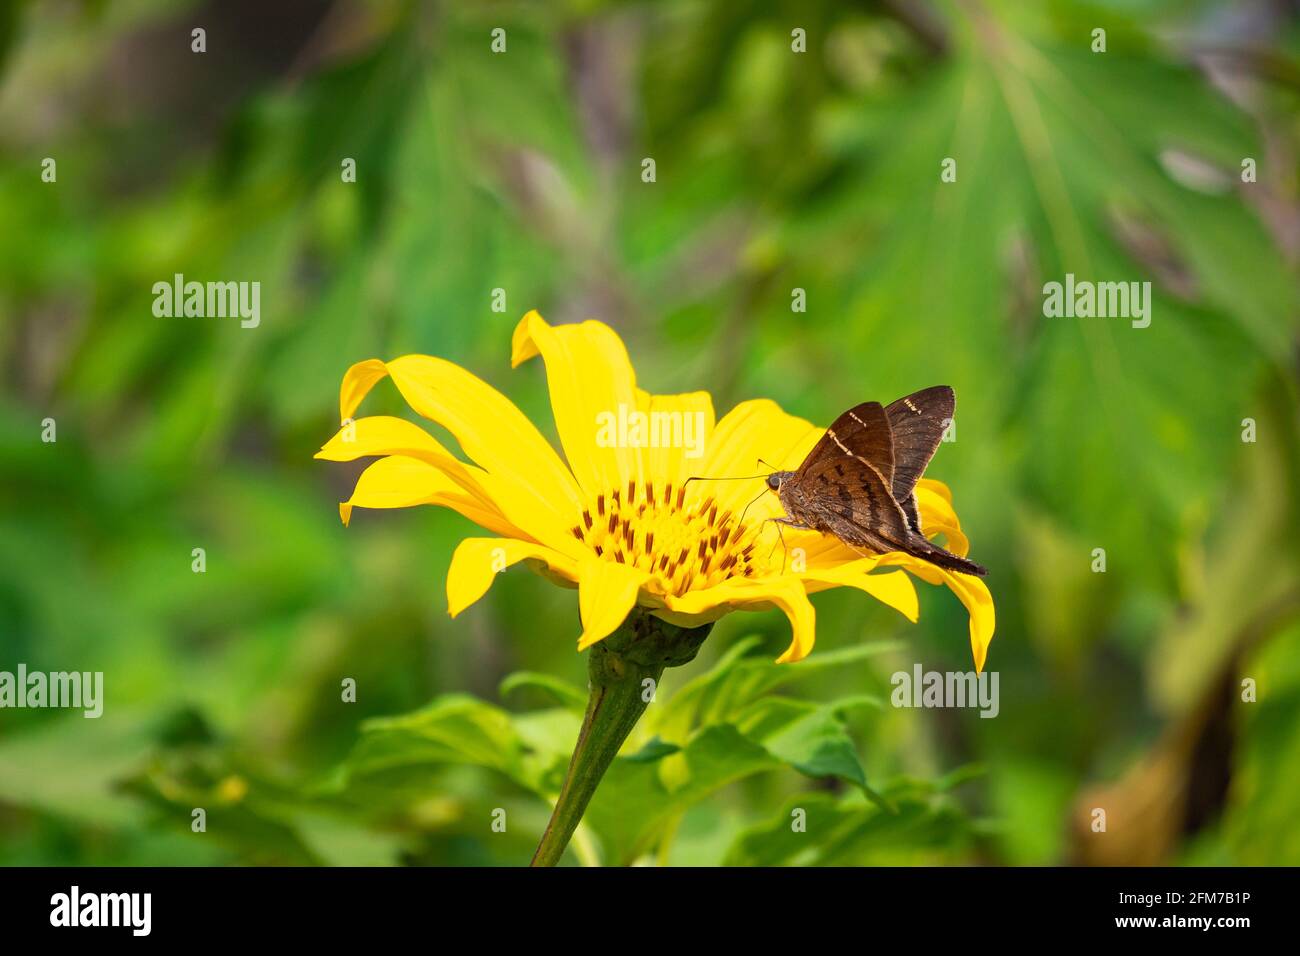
column 521, row 171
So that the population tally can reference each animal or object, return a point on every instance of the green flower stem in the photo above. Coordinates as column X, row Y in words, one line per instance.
column 640, row 649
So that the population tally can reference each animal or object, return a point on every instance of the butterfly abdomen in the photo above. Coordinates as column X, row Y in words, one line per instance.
column 919, row 546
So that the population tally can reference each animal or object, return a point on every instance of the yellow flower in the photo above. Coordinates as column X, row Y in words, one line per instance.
column 620, row 521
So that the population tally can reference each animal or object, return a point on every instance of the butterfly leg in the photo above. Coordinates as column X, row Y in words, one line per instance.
column 784, row 551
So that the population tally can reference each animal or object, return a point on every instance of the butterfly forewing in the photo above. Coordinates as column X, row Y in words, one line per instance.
column 917, row 422
column 864, row 431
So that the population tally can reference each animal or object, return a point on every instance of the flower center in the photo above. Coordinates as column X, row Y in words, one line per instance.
column 683, row 545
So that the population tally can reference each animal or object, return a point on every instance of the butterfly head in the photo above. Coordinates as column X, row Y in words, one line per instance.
column 775, row 478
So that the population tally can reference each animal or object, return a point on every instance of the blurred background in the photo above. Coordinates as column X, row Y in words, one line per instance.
column 775, row 169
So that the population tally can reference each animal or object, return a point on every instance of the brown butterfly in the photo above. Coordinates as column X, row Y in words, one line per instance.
column 859, row 482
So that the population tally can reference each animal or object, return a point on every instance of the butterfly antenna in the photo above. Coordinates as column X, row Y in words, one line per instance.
column 741, row 478
column 702, row 478
column 750, row 505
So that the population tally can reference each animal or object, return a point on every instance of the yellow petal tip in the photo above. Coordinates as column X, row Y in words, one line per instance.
column 585, row 642
column 522, row 345
column 357, row 383
column 792, row 655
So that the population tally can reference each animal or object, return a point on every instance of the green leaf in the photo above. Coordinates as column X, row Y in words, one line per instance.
column 818, row 829
column 71, row 767
column 633, row 803
column 397, row 759
column 455, row 728
column 561, row 691
column 682, row 710
column 718, row 695
column 654, row 749
column 818, row 745
column 811, row 738
column 805, row 823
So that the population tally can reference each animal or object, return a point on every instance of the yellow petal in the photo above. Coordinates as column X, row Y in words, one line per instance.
column 893, row 588
column 593, row 388
column 828, row 551
column 525, row 478
column 385, row 435
column 786, row 593
column 974, row 593
column 401, row 482
column 752, row 430
column 490, row 429
column 789, row 595
column 607, row 590
column 970, row 590
column 357, row 383
column 937, row 487
column 938, row 517
column 688, row 418
column 477, row 561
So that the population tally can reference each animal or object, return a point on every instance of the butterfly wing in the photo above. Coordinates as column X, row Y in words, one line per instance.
column 863, row 431
column 850, row 483
column 849, row 497
column 917, row 423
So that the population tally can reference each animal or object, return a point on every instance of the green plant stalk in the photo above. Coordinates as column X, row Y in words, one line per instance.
column 618, row 668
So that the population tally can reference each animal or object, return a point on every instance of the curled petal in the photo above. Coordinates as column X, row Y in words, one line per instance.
column 490, row 429
column 522, row 473
column 786, row 593
column 974, row 593
column 825, row 551
column 938, row 517
column 937, row 487
column 791, row 598
column 401, row 482
column 970, row 590
column 477, row 561
column 386, row 435
column 357, row 383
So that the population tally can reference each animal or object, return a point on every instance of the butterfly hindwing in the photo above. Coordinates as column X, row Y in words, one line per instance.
column 848, row 496
column 917, row 423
